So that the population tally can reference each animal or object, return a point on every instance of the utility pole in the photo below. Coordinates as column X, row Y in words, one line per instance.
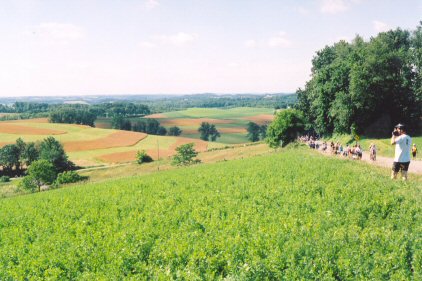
column 158, row 155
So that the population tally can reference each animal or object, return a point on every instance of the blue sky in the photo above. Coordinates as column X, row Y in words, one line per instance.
column 100, row 47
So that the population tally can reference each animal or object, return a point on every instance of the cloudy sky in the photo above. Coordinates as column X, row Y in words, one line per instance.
column 91, row 47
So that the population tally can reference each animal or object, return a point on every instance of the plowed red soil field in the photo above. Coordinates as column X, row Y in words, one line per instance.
column 260, row 119
column 9, row 128
column 118, row 139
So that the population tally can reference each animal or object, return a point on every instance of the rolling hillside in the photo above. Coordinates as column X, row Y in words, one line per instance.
column 287, row 216
column 230, row 122
column 88, row 146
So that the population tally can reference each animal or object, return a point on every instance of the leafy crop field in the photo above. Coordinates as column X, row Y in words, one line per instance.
column 230, row 122
column 293, row 215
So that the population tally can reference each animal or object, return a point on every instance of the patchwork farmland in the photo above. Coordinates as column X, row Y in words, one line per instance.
column 87, row 146
column 231, row 122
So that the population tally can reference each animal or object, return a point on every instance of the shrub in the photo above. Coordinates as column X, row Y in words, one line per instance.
column 185, row 155
column 69, row 177
column 29, row 183
column 285, row 128
column 4, row 179
column 41, row 172
column 143, row 157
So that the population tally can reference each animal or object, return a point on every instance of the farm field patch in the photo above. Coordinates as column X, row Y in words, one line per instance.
column 87, row 146
column 115, row 139
column 230, row 122
column 257, row 218
column 10, row 128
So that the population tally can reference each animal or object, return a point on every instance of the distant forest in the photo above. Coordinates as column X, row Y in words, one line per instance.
column 82, row 113
column 365, row 87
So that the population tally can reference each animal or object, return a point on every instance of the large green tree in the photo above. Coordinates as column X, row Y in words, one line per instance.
column 365, row 87
column 285, row 128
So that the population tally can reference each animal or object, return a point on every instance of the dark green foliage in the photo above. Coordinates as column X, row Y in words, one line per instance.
column 367, row 86
column 256, row 132
column 208, row 132
column 29, row 154
column 253, row 131
column 120, row 123
column 9, row 158
column 143, row 157
column 286, row 216
column 174, row 131
column 185, row 155
column 71, row 115
column 52, row 151
column 4, row 179
column 69, row 177
column 149, row 126
column 263, row 131
column 41, row 172
column 124, row 109
column 285, row 128
column 29, row 107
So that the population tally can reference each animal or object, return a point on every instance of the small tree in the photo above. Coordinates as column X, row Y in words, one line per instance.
column 185, row 155
column 208, row 131
column 174, row 131
column 69, row 177
column 253, row 131
column 40, row 172
column 52, row 151
column 143, row 157
column 286, row 127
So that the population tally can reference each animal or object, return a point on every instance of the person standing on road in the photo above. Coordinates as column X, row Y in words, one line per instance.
column 403, row 144
column 414, row 151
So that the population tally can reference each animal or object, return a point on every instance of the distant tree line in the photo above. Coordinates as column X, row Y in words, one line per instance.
column 365, row 87
column 72, row 113
column 217, row 101
column 144, row 125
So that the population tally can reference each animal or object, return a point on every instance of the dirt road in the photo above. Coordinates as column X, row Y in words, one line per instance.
column 386, row 162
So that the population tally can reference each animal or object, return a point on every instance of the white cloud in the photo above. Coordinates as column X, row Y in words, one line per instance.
column 146, row 44
column 334, row 6
column 179, row 39
column 56, row 33
column 380, row 26
column 251, row 44
column 279, row 40
column 151, row 4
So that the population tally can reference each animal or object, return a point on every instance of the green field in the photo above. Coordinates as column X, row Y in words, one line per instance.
column 293, row 215
column 219, row 113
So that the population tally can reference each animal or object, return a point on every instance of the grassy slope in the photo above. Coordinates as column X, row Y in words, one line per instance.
column 287, row 216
